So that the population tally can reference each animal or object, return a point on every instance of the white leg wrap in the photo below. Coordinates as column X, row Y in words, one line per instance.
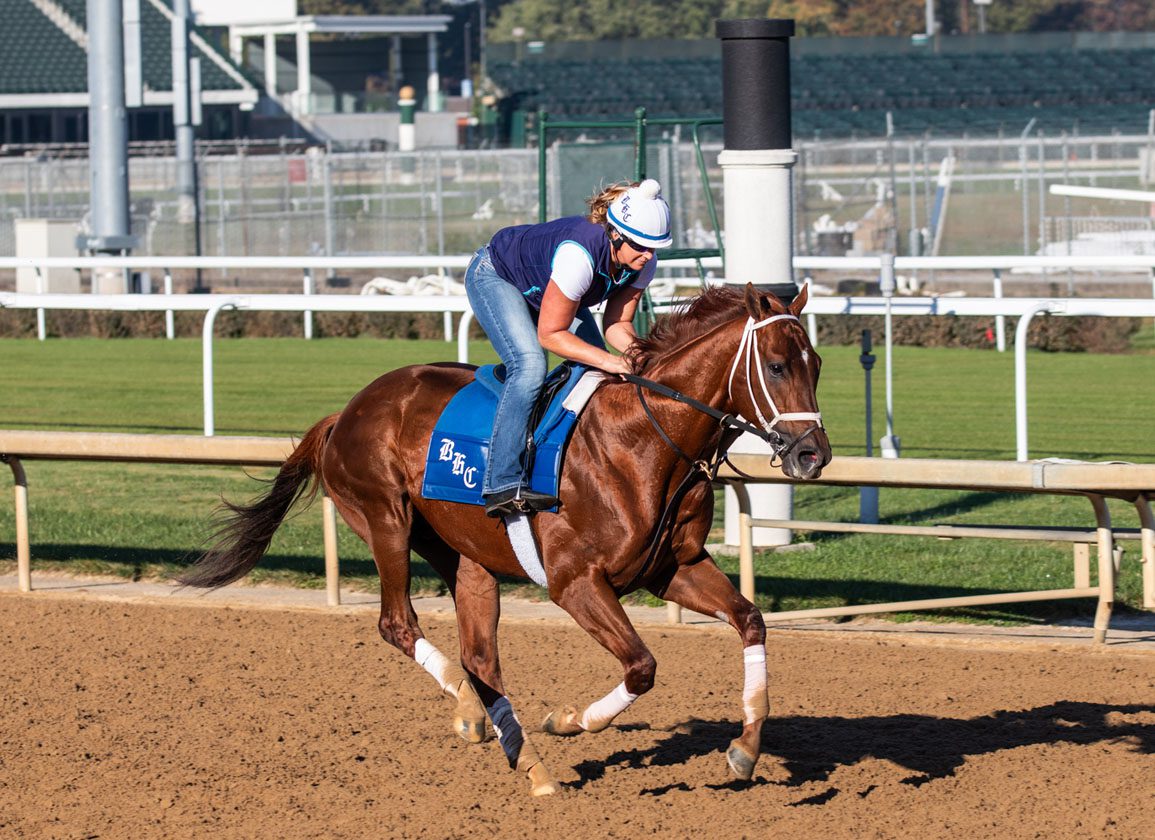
column 598, row 715
column 755, row 701
column 430, row 658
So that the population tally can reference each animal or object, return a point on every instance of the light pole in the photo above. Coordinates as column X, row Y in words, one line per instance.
column 982, row 4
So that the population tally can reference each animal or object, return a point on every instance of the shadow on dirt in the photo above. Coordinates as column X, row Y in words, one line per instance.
column 811, row 749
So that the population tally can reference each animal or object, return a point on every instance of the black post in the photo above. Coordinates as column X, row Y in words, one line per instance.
column 756, row 83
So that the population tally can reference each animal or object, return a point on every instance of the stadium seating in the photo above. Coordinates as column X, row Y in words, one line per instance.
column 1084, row 91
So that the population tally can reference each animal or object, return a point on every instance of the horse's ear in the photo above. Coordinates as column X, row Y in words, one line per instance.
column 760, row 304
column 799, row 301
column 752, row 307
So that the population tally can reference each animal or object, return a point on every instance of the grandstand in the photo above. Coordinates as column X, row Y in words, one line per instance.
column 1077, row 83
column 44, row 75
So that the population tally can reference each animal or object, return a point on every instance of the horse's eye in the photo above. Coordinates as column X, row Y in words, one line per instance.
column 776, row 368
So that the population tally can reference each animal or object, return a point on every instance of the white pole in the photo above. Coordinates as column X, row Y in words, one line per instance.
column 169, row 327
column 308, row 288
column 889, row 444
column 1021, row 377
column 758, row 190
column 271, row 65
column 41, row 326
column 1000, row 320
column 433, row 84
column 304, row 74
column 207, row 363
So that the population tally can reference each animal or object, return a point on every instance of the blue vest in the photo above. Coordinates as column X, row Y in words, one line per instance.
column 523, row 256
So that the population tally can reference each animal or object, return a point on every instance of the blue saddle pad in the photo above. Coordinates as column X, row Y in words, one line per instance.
column 459, row 445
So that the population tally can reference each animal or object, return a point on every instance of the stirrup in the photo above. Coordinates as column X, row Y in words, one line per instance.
column 504, row 503
column 518, row 500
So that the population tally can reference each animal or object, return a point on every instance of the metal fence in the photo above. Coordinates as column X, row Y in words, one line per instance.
column 850, row 197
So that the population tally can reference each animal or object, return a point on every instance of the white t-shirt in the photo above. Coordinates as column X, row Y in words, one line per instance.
column 572, row 271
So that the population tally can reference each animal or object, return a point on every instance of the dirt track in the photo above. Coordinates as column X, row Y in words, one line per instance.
column 137, row 720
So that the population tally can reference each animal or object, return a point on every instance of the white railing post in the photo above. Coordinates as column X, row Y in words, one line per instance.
column 1021, row 375
column 169, row 324
column 308, row 289
column 463, row 336
column 207, row 362
column 41, row 283
column 447, row 316
column 1000, row 320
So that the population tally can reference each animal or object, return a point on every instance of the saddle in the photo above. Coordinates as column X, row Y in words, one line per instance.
column 459, row 444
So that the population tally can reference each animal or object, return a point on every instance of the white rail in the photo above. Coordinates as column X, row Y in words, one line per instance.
column 1023, row 308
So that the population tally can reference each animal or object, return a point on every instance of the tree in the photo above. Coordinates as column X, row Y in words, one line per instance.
column 1118, row 15
column 586, row 20
column 812, row 18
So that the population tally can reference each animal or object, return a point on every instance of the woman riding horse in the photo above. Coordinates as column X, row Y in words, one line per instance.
column 640, row 462
column 531, row 284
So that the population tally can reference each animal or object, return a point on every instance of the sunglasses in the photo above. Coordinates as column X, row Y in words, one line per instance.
column 639, row 248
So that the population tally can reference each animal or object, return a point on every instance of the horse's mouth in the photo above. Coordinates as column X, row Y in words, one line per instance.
column 806, row 464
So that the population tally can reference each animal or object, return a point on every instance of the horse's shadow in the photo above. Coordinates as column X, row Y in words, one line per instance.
column 810, row 749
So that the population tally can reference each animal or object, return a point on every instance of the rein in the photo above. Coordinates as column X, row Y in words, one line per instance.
column 731, row 426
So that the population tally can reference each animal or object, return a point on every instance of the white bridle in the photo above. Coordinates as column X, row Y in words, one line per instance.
column 749, row 347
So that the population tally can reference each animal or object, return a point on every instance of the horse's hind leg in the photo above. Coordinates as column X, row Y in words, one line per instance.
column 469, row 717
column 476, row 596
column 388, row 539
column 700, row 586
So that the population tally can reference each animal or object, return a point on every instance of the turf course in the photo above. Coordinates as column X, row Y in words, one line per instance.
column 145, row 521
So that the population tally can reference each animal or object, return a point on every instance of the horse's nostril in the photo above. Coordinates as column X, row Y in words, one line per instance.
column 808, row 457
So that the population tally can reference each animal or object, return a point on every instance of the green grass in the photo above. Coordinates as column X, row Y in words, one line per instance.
column 146, row 521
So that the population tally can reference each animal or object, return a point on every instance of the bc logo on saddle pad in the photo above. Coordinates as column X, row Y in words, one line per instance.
column 459, row 445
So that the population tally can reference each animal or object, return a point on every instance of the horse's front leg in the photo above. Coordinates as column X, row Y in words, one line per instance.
column 595, row 607
column 700, row 586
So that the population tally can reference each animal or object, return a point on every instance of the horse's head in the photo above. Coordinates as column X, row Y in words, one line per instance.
column 773, row 380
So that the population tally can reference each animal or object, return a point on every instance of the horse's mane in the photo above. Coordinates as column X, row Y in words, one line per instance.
column 715, row 306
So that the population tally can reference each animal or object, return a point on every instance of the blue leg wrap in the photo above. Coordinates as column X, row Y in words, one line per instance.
column 508, row 729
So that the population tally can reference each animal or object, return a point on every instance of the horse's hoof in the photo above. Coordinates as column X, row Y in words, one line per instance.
column 472, row 731
column 740, row 761
column 563, row 721
column 469, row 716
column 541, row 782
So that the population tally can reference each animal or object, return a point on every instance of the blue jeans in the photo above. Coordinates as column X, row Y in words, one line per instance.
column 511, row 325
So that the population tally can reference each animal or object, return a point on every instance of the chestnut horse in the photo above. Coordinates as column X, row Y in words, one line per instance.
column 637, row 506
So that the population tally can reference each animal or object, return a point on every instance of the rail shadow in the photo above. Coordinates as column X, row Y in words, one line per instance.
column 133, row 561
column 785, row 593
column 811, row 749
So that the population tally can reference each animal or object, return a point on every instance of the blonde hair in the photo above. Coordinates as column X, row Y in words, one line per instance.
column 600, row 202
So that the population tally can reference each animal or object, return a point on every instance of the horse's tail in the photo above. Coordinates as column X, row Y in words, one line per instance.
column 245, row 532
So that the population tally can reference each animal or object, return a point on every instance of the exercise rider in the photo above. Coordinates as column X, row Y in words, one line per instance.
column 532, row 287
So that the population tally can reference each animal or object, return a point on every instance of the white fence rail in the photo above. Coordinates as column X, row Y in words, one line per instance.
column 1024, row 308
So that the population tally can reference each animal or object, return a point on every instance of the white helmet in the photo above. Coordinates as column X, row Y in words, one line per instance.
column 641, row 215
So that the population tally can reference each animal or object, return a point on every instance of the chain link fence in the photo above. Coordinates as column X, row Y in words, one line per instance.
column 931, row 196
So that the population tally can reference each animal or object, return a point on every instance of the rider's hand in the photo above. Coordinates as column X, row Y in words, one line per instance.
column 616, row 364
